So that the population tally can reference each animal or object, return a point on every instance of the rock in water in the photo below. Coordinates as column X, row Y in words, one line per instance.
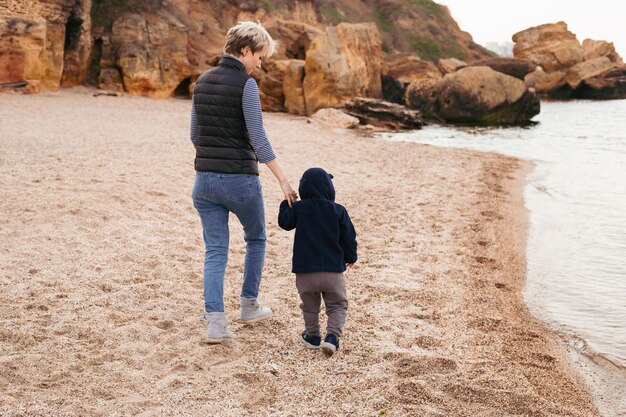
column 484, row 96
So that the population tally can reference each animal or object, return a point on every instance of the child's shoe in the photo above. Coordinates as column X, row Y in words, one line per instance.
column 330, row 345
column 311, row 342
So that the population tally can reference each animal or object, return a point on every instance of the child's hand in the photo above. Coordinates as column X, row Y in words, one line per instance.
column 349, row 265
column 290, row 195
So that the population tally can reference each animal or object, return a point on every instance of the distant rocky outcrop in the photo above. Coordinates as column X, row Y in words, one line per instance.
column 475, row 95
column 550, row 46
column 566, row 69
column 596, row 49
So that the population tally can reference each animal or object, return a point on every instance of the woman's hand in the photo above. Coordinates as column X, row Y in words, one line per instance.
column 290, row 195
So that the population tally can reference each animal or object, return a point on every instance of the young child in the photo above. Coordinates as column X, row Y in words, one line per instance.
column 325, row 244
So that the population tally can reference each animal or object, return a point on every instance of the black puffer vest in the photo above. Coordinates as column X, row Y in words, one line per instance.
column 223, row 143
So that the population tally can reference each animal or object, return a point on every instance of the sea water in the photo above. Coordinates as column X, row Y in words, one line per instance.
column 576, row 197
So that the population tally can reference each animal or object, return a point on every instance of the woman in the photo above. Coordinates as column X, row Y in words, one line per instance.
column 227, row 132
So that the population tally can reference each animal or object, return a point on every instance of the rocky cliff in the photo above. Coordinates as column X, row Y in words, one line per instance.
column 156, row 47
column 46, row 42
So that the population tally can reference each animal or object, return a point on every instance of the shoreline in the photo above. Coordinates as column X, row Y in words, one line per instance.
column 603, row 379
column 606, row 379
column 104, row 302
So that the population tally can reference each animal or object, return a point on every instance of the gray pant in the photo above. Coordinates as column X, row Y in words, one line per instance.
column 312, row 286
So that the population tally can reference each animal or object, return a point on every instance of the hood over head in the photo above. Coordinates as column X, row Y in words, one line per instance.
column 316, row 183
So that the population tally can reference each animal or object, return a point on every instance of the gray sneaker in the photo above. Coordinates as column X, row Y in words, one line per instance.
column 216, row 327
column 252, row 311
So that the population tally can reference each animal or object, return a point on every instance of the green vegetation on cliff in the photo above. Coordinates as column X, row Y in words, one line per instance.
column 419, row 26
column 427, row 6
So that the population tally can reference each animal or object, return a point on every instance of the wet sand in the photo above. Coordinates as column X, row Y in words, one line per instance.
column 101, row 276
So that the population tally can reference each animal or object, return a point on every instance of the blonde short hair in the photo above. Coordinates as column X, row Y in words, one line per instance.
column 251, row 34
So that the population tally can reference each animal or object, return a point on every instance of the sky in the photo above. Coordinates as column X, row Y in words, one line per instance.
column 498, row 20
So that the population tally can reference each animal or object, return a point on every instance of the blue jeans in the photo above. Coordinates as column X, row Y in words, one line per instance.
column 214, row 196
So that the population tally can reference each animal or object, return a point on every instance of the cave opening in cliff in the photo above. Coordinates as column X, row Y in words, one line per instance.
column 182, row 90
column 71, row 52
column 72, row 32
column 93, row 72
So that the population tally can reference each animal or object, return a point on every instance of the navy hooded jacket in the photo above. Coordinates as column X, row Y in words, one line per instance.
column 325, row 239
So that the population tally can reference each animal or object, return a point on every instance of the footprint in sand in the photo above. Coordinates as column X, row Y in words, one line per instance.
column 527, row 336
column 156, row 193
column 413, row 393
column 501, row 286
column 412, row 365
column 486, row 324
column 179, row 367
column 427, row 342
column 509, row 401
column 484, row 260
column 165, row 325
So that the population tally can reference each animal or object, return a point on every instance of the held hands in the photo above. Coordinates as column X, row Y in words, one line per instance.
column 290, row 195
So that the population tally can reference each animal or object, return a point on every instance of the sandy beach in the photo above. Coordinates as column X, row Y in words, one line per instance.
column 101, row 261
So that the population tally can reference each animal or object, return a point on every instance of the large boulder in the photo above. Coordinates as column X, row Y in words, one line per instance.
column 424, row 96
column 547, row 83
column 401, row 69
column 484, row 96
column 587, row 69
column 566, row 68
column 551, row 46
column 343, row 63
column 151, row 53
column 517, row 68
column 407, row 68
column 596, row 49
column 450, row 65
column 610, row 85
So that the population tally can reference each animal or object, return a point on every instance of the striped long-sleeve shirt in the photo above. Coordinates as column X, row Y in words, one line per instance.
column 253, row 116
